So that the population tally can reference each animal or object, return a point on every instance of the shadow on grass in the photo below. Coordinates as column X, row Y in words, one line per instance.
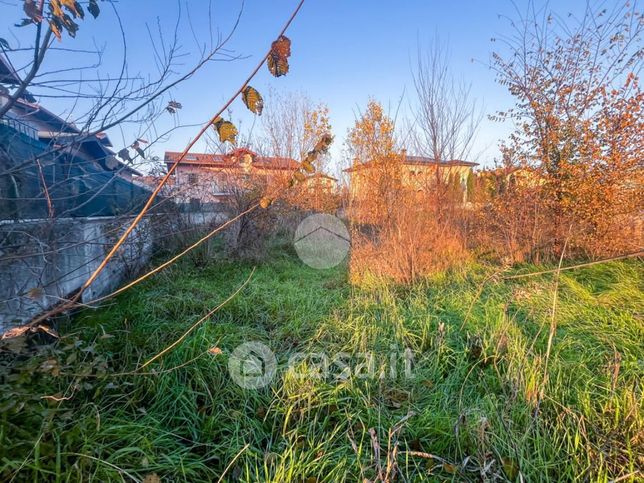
column 471, row 389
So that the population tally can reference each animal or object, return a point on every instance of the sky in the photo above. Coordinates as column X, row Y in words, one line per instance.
column 344, row 52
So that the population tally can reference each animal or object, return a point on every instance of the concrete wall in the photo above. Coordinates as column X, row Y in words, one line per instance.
column 43, row 262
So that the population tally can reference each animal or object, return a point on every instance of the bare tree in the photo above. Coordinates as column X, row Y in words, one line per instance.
column 291, row 125
column 446, row 116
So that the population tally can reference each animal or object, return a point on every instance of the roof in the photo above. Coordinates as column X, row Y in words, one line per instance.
column 151, row 181
column 8, row 74
column 420, row 161
column 231, row 160
column 64, row 132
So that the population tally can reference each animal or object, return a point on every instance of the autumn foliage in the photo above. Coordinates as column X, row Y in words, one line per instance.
column 399, row 231
column 571, row 178
column 580, row 138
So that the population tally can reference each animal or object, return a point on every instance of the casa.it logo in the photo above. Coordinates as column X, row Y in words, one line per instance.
column 322, row 241
column 252, row 365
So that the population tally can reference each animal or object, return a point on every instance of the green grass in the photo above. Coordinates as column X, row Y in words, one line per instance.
column 472, row 392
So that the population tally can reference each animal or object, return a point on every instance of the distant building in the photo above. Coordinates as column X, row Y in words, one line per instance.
column 44, row 156
column 322, row 183
column 208, row 178
column 415, row 172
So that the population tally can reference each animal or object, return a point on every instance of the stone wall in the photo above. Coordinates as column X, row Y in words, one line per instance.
column 43, row 262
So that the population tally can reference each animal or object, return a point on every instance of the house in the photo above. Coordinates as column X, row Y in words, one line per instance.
column 322, row 183
column 416, row 172
column 49, row 165
column 80, row 172
column 211, row 178
column 498, row 180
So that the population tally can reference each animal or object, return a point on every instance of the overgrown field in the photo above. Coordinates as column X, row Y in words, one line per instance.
column 482, row 400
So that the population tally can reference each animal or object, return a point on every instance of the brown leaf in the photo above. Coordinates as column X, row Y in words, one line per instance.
column 324, row 143
column 450, row 468
column 253, row 100
column 74, row 8
column 299, row 176
column 69, row 24
column 93, row 8
column 265, row 202
column 52, row 366
column 278, row 67
column 56, row 8
column 56, row 28
column 32, row 11
column 35, row 293
column 308, row 167
column 215, row 351
column 151, row 478
column 124, row 154
column 173, row 107
column 137, row 147
column 311, row 156
column 24, row 22
column 281, row 47
column 226, row 130
column 278, row 57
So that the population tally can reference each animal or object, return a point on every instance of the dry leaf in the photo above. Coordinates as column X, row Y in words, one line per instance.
column 173, row 107
column 324, row 143
column 278, row 56
column 93, row 8
column 226, row 130
column 253, row 100
column 450, row 468
column 151, row 478
column 32, row 11
column 35, row 293
column 308, row 167
column 510, row 468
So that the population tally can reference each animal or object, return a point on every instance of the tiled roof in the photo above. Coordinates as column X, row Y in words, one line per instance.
column 231, row 160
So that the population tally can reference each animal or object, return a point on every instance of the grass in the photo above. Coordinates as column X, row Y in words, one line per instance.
column 472, row 395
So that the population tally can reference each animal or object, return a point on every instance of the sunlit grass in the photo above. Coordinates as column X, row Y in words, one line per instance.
column 474, row 390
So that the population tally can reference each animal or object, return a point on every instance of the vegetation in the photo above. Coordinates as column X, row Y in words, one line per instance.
column 481, row 397
column 437, row 353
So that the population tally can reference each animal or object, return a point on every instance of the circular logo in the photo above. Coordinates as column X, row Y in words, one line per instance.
column 322, row 241
column 252, row 365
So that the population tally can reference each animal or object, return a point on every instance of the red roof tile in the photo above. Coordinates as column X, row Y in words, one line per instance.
column 229, row 161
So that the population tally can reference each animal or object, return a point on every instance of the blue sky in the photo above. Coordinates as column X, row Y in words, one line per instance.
column 343, row 53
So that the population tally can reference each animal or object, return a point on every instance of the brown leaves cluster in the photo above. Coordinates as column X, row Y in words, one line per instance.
column 277, row 60
column 580, row 135
column 60, row 15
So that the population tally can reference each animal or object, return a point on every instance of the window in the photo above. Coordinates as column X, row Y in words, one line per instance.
column 193, row 178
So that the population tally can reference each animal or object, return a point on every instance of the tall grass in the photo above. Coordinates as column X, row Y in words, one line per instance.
column 472, row 395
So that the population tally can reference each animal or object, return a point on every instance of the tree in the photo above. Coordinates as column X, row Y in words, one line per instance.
column 395, row 231
column 446, row 117
column 579, row 117
column 292, row 125
column 375, row 166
